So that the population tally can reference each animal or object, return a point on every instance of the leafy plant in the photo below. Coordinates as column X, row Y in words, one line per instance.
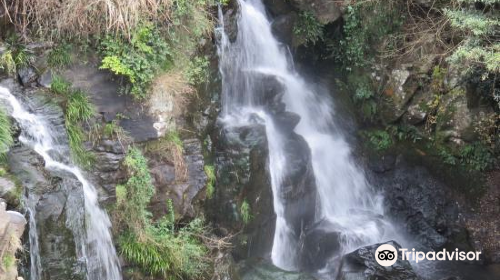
column 476, row 156
column 245, row 212
column 308, row 27
column 156, row 248
column 197, row 70
column 138, row 60
column 479, row 28
column 379, row 139
column 210, row 172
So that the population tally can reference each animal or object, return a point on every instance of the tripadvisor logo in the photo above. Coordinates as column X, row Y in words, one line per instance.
column 387, row 255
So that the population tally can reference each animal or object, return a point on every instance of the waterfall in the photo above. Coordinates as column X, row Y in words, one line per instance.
column 93, row 239
column 345, row 199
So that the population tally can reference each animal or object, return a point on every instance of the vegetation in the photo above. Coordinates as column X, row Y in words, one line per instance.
column 138, row 60
column 78, row 111
column 379, row 139
column 60, row 56
column 170, row 148
column 15, row 57
column 157, row 248
column 5, row 133
column 245, row 212
column 210, row 172
column 308, row 28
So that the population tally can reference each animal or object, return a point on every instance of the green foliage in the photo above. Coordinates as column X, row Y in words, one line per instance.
column 174, row 138
column 308, row 27
column 16, row 56
column 167, row 253
column 5, row 132
column 245, row 212
column 197, row 70
column 60, row 86
column 7, row 62
column 8, row 261
column 476, row 156
column 78, row 111
column 404, row 132
column 366, row 24
column 156, row 248
column 139, row 190
column 210, row 172
column 379, row 139
column 60, row 56
column 139, row 60
column 480, row 30
column 364, row 96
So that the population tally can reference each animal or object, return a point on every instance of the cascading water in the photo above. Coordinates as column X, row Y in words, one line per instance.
column 345, row 199
column 94, row 245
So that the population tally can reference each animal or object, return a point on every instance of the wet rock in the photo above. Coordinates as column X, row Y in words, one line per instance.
column 416, row 114
column 45, row 80
column 261, row 270
column 361, row 264
column 27, row 76
column 399, row 93
column 422, row 205
column 319, row 243
column 324, row 10
column 104, row 92
column 231, row 24
column 282, row 27
column 286, row 122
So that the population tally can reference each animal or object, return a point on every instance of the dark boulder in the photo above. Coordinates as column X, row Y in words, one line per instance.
column 361, row 264
column 27, row 76
column 318, row 244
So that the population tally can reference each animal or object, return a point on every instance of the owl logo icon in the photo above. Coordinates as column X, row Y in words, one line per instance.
column 386, row 255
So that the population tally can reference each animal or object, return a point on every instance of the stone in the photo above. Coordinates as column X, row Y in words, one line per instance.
column 319, row 243
column 27, row 76
column 45, row 79
column 6, row 186
column 325, row 11
column 361, row 264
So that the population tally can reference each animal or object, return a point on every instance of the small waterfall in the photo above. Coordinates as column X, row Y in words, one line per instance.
column 93, row 238
column 35, row 266
column 345, row 199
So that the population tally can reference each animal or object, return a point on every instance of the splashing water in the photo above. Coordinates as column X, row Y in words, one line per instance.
column 96, row 247
column 345, row 198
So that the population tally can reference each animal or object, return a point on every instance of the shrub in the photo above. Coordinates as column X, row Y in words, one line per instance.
column 476, row 156
column 156, row 248
column 379, row 139
column 77, row 111
column 138, row 60
column 479, row 30
column 245, row 212
column 210, row 172
column 308, row 28
column 197, row 70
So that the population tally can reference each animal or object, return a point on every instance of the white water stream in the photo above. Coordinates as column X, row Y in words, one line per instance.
column 96, row 247
column 344, row 197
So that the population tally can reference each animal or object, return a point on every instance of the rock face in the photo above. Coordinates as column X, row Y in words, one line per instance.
column 421, row 204
column 12, row 226
column 361, row 264
column 50, row 195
